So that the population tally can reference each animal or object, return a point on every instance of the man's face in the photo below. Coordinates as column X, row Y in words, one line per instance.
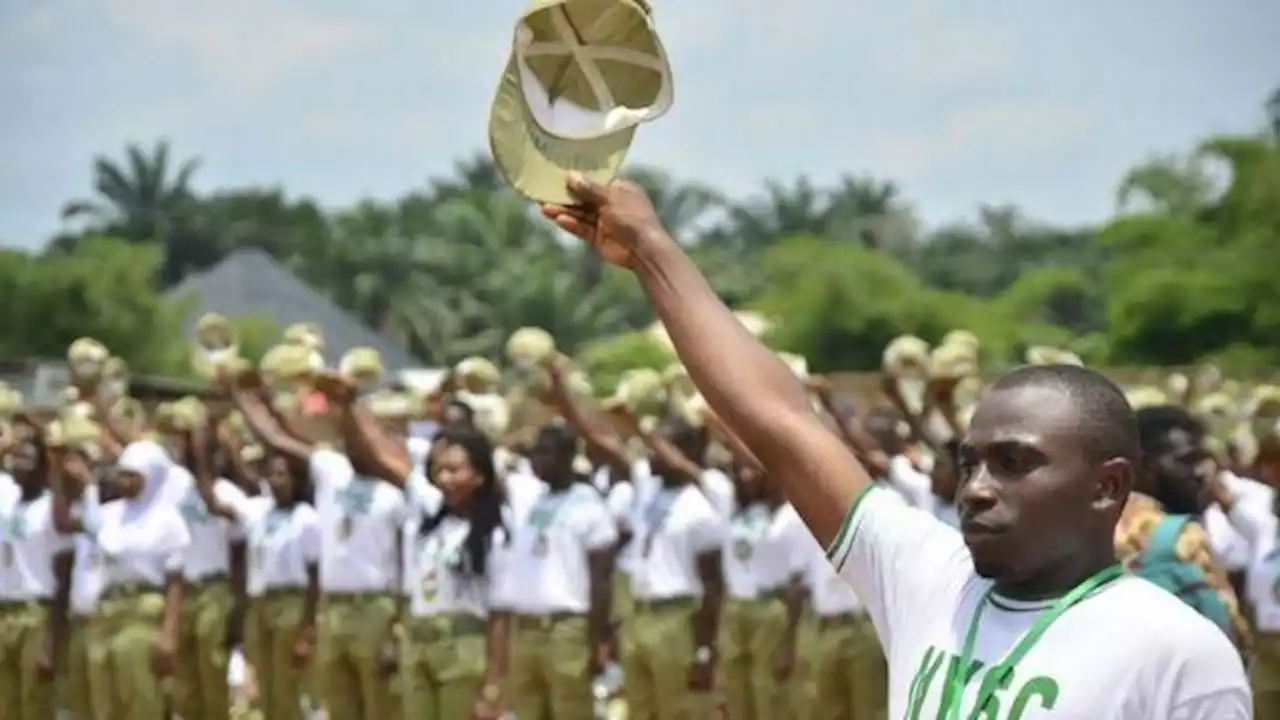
column 552, row 461
column 1030, row 490
column 1176, row 470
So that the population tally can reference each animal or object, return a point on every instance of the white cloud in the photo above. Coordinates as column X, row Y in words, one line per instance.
column 243, row 47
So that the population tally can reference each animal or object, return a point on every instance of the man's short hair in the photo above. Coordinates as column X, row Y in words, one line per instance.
column 1157, row 421
column 1104, row 411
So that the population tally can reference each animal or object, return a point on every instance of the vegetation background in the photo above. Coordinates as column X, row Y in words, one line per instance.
column 1185, row 271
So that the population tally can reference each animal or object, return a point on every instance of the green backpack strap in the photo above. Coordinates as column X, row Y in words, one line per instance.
column 1162, row 546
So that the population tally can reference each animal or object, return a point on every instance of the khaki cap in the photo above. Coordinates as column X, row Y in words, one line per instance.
column 602, row 56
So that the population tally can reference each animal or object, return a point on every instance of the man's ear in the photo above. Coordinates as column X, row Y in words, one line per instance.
column 1115, row 482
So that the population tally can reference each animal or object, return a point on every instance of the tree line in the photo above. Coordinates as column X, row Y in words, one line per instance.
column 1185, row 271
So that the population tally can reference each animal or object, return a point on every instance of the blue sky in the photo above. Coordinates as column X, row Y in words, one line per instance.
column 1043, row 104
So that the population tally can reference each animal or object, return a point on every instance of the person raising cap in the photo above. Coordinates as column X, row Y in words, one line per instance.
column 1017, row 615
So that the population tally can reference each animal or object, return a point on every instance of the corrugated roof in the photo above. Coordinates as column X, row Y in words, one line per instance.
column 250, row 282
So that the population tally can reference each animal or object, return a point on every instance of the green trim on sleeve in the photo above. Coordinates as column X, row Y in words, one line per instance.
column 839, row 544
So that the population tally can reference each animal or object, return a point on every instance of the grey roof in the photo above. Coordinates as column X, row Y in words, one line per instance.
column 250, row 282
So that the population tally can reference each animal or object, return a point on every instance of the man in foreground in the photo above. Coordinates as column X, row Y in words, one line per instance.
column 1022, row 615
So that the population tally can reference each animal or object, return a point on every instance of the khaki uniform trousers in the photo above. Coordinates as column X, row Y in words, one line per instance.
column 24, row 628
column 353, row 628
column 443, row 659
column 200, row 667
column 804, row 681
column 1264, row 676
column 550, row 668
column 73, row 685
column 273, row 624
column 850, row 671
column 751, row 631
column 657, row 654
column 122, row 638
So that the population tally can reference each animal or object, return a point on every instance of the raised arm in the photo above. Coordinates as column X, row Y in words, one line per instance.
column 744, row 382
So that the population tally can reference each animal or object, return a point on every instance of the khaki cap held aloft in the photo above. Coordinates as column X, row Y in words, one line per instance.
column 602, row 56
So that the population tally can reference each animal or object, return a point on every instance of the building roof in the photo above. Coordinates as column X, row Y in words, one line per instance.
column 250, row 282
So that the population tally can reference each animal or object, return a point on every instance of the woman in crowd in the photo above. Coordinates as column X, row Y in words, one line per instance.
column 142, row 542
column 453, row 654
column 452, row 657
column 283, row 553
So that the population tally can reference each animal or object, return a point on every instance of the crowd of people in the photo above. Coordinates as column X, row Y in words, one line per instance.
column 504, row 541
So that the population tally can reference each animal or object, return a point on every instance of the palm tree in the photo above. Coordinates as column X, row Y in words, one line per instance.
column 1167, row 184
column 476, row 174
column 861, row 210
column 868, row 211
column 682, row 207
column 143, row 199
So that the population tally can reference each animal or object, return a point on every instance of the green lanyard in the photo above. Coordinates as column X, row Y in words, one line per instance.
column 957, row 674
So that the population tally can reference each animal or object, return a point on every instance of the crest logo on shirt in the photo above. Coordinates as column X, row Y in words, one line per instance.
column 193, row 509
column 15, row 525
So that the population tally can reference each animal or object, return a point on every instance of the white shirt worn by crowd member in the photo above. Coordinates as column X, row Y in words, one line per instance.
column 360, row 522
column 209, row 556
column 672, row 529
column 437, row 580
column 28, row 544
column 625, row 508
column 916, row 488
column 1261, row 530
column 143, row 539
column 548, row 571
column 9, row 490
column 719, row 490
column 141, row 549
column 419, row 449
column 1127, row 651
column 1226, row 537
column 281, row 542
column 618, row 496
column 765, row 549
column 86, row 569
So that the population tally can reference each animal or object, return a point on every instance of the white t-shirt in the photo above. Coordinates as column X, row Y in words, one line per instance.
column 140, row 549
column 765, row 549
column 719, row 490
column 28, row 544
column 1132, row 651
column 434, row 577
column 419, row 449
column 360, row 522
column 209, row 555
column 670, row 530
column 9, row 490
column 549, row 570
column 281, row 543
column 86, row 570
column 1261, row 530
column 829, row 594
column 1226, row 539
column 914, row 486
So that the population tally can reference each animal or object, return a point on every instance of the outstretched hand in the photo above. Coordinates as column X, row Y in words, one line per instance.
column 617, row 220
